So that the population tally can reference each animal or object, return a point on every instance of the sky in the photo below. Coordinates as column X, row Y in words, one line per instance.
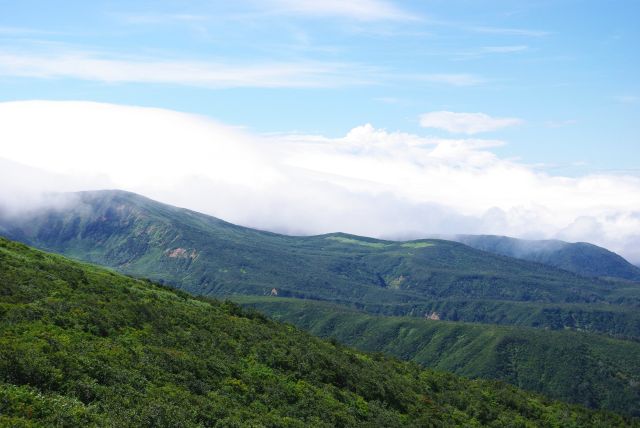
column 377, row 117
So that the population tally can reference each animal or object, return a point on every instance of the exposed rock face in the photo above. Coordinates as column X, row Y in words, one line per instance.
column 181, row 253
column 432, row 316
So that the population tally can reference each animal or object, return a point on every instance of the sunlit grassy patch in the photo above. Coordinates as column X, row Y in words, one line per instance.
column 357, row 242
column 418, row 244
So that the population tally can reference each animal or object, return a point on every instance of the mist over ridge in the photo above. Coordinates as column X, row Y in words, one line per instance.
column 370, row 182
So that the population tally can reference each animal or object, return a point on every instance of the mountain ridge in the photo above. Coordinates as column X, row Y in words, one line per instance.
column 583, row 258
column 206, row 255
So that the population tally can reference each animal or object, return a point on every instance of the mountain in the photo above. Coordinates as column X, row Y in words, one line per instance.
column 451, row 281
column 593, row 370
column 207, row 256
column 83, row 346
column 581, row 257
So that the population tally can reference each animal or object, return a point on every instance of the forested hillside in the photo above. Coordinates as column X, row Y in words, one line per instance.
column 447, row 280
column 205, row 255
column 82, row 346
column 592, row 370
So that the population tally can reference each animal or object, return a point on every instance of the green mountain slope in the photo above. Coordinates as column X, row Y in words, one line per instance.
column 580, row 257
column 592, row 370
column 82, row 346
column 204, row 255
column 618, row 321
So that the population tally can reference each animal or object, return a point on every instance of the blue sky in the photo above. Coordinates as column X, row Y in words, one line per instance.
column 568, row 69
column 377, row 117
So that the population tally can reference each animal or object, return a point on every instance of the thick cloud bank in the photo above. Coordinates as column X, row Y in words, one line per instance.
column 369, row 182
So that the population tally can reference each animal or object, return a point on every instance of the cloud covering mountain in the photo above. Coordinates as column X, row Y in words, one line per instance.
column 370, row 181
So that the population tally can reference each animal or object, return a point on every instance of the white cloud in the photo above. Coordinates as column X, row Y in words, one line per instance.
column 503, row 49
column 466, row 123
column 22, row 31
column 370, row 181
column 627, row 99
column 100, row 67
column 453, row 79
column 362, row 10
column 509, row 31
column 163, row 18
column 560, row 123
column 486, row 51
column 388, row 100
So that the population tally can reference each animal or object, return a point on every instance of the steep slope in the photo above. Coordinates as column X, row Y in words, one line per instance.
column 83, row 346
column 580, row 257
column 592, row 370
column 205, row 255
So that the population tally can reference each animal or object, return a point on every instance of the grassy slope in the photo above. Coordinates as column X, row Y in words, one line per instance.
column 81, row 345
column 593, row 370
column 204, row 255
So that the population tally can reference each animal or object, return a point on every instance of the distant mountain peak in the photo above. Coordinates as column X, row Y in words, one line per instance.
column 579, row 257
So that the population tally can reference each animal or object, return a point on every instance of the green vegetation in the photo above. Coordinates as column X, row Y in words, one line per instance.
column 592, row 370
column 617, row 321
column 345, row 240
column 206, row 256
column 82, row 346
column 417, row 244
column 581, row 257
